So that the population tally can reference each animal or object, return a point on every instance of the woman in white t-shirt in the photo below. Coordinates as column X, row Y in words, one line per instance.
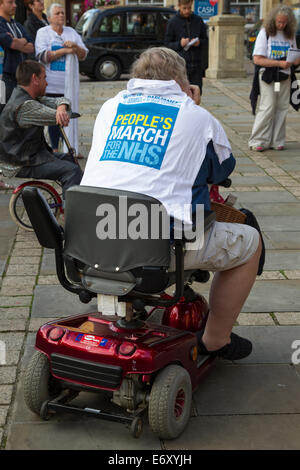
column 60, row 47
column 270, row 53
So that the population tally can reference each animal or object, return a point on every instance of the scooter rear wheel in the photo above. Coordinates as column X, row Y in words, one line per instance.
column 170, row 402
column 39, row 385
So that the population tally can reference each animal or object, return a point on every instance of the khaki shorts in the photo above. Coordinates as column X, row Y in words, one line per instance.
column 225, row 246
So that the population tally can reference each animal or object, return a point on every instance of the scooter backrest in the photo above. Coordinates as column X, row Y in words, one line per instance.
column 44, row 223
column 115, row 231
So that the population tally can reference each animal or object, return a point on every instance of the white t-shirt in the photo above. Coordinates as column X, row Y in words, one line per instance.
column 48, row 40
column 152, row 138
column 275, row 47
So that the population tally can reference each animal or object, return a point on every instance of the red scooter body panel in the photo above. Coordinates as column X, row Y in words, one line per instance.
column 189, row 316
column 153, row 346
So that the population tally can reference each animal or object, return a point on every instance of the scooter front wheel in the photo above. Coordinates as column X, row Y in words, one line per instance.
column 170, row 402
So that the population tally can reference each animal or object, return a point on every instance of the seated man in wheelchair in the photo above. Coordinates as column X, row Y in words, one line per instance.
column 154, row 139
column 22, row 141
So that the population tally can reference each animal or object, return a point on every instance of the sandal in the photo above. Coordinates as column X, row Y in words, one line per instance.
column 237, row 349
column 258, row 148
column 4, row 186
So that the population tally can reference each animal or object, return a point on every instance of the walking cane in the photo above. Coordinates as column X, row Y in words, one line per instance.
column 71, row 150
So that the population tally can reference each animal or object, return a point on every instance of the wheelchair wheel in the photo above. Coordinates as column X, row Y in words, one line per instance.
column 39, row 385
column 17, row 209
column 170, row 402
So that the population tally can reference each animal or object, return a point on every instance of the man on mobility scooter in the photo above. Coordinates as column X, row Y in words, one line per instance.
column 154, row 151
column 22, row 141
column 153, row 139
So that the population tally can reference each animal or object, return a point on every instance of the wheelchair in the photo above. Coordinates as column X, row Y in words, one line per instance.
column 52, row 195
column 139, row 349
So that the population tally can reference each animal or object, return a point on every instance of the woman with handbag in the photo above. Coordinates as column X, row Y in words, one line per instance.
column 274, row 40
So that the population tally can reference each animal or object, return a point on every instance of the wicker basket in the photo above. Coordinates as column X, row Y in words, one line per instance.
column 226, row 213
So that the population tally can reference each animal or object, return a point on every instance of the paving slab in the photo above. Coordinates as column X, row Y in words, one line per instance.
column 252, row 180
column 265, row 196
column 274, row 296
column 284, row 240
column 256, row 432
column 48, row 266
column 267, row 296
column 271, row 344
column 55, row 301
column 286, row 223
column 275, row 209
column 241, row 389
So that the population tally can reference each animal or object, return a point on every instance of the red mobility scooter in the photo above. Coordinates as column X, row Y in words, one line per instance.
column 141, row 364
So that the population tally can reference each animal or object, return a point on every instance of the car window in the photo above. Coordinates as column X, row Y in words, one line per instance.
column 110, row 24
column 141, row 23
column 85, row 21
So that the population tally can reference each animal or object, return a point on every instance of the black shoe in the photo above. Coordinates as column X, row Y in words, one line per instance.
column 237, row 349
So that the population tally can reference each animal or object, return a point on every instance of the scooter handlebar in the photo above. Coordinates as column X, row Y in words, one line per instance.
column 75, row 115
column 226, row 183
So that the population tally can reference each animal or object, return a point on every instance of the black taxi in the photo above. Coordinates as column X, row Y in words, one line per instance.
column 115, row 37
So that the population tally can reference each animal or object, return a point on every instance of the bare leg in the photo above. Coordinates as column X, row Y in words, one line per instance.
column 229, row 291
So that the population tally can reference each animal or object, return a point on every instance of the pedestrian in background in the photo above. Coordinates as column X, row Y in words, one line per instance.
column 21, row 12
column 36, row 17
column 16, row 44
column 272, row 79
column 181, row 29
column 60, row 47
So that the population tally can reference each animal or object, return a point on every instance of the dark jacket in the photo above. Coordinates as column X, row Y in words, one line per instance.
column 12, row 57
column 33, row 24
column 18, row 145
column 178, row 28
column 21, row 12
column 270, row 75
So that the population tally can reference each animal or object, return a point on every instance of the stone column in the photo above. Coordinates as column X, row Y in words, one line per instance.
column 226, row 47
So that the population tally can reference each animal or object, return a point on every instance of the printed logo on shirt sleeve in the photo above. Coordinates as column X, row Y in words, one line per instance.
column 141, row 132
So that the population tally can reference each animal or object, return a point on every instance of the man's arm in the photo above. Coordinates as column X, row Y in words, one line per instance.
column 218, row 171
column 54, row 102
column 7, row 40
column 22, row 45
column 35, row 113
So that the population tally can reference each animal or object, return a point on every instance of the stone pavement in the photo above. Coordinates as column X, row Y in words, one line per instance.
column 252, row 404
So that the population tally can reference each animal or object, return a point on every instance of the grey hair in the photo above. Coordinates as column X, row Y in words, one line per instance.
column 270, row 21
column 52, row 6
column 160, row 63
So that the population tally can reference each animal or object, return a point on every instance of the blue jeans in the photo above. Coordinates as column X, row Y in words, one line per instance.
column 54, row 134
column 61, row 168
